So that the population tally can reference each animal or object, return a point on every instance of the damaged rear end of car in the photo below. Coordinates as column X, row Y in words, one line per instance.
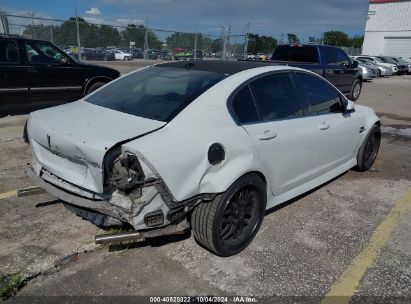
column 80, row 155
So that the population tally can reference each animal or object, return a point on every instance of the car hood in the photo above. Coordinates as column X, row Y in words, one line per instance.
column 71, row 140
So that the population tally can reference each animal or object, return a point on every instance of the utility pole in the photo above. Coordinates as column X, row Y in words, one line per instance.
column 146, row 41
column 78, row 36
column 246, row 31
column 32, row 24
column 195, row 46
column 281, row 38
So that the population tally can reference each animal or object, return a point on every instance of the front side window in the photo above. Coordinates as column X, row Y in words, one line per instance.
column 342, row 57
column 276, row 97
column 157, row 93
column 330, row 56
column 322, row 97
column 44, row 53
column 8, row 52
column 244, row 107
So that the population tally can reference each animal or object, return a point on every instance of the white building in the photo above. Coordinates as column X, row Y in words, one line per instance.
column 388, row 29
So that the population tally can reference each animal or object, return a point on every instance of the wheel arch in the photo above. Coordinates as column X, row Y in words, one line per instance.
column 90, row 81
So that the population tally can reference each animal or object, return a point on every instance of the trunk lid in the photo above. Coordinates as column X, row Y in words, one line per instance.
column 71, row 140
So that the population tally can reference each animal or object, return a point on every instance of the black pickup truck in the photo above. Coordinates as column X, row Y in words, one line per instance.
column 328, row 61
column 36, row 74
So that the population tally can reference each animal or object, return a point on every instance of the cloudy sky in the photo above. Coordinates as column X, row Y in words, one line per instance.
column 270, row 17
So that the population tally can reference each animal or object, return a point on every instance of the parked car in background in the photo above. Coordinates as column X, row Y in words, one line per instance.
column 369, row 71
column 189, row 55
column 262, row 56
column 382, row 70
column 401, row 68
column 121, row 55
column 328, row 61
column 137, row 53
column 166, row 55
column 268, row 134
column 152, row 54
column 34, row 73
column 250, row 56
column 402, row 62
column 97, row 54
column 378, row 61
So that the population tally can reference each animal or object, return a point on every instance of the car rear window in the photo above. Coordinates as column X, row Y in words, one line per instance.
column 296, row 53
column 157, row 93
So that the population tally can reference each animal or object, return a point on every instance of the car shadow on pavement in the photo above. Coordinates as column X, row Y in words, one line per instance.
column 285, row 204
column 151, row 242
column 49, row 203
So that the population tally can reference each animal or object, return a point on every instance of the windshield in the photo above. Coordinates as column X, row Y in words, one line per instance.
column 157, row 93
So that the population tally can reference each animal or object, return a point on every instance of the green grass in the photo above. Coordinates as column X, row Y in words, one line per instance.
column 9, row 285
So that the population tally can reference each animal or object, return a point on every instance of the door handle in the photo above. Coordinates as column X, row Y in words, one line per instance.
column 324, row 126
column 31, row 70
column 267, row 135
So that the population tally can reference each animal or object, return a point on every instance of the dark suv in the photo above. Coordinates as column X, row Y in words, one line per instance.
column 36, row 73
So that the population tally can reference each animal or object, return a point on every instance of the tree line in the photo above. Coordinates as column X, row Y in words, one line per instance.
column 92, row 36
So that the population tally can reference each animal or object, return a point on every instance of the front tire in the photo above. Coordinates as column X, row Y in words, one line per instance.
column 369, row 149
column 94, row 87
column 226, row 225
column 355, row 90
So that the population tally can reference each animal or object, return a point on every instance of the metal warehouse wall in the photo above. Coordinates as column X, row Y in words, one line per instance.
column 388, row 29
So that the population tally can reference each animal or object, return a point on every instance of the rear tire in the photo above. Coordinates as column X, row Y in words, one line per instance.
column 226, row 225
column 355, row 90
column 369, row 149
column 94, row 87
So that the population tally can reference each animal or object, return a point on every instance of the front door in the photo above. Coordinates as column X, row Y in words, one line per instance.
column 281, row 137
column 347, row 71
column 13, row 78
column 54, row 78
column 336, row 133
column 332, row 69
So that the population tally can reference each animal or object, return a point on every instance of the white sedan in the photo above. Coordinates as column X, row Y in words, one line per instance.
column 120, row 55
column 202, row 145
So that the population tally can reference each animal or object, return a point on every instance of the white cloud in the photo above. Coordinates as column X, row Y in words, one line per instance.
column 94, row 11
column 129, row 21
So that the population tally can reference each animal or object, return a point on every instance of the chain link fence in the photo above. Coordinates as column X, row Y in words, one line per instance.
column 90, row 41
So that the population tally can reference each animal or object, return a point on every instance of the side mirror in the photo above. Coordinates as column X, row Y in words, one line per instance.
column 64, row 61
column 349, row 106
column 354, row 64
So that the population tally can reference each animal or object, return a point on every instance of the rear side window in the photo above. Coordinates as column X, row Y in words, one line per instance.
column 330, row 55
column 296, row 53
column 322, row 97
column 276, row 97
column 8, row 52
column 244, row 107
column 157, row 93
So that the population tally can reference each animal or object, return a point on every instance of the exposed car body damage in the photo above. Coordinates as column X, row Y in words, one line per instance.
column 151, row 173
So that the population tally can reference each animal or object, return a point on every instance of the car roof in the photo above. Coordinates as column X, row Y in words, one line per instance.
column 220, row 67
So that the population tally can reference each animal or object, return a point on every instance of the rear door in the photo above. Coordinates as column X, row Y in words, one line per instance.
column 336, row 133
column 13, row 77
column 278, row 129
column 53, row 76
